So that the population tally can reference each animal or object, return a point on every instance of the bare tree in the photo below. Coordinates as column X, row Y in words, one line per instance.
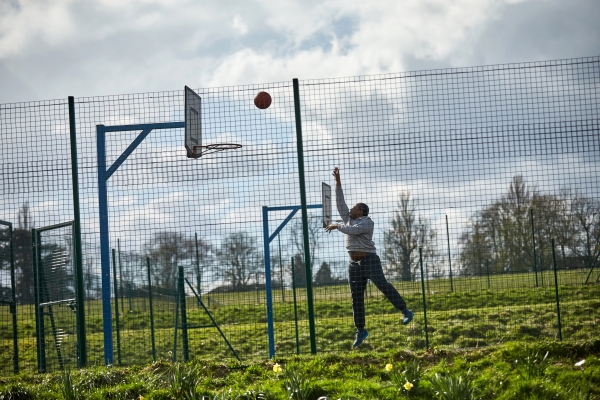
column 315, row 234
column 240, row 258
column 169, row 250
column 23, row 256
column 586, row 215
column 403, row 239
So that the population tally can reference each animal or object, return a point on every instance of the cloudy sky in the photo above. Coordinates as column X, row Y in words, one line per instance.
column 53, row 49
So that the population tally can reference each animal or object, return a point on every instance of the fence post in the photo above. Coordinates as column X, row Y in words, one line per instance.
column 281, row 271
column 309, row 291
column 487, row 267
column 79, row 291
column 151, row 311
column 198, row 276
column 556, row 289
column 424, row 298
column 39, row 316
column 533, row 242
column 295, row 307
column 114, row 259
column 184, row 333
column 121, row 276
column 449, row 257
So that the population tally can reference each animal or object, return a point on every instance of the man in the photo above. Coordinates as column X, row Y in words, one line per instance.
column 364, row 261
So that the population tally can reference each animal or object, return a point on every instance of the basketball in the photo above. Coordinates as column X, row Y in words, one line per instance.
column 262, row 100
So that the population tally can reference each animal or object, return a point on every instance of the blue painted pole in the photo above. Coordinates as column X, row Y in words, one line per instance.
column 104, row 246
column 267, row 255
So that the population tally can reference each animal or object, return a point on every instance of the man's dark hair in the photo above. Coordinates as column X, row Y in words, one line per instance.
column 364, row 208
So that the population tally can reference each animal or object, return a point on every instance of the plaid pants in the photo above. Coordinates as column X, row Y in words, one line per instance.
column 359, row 272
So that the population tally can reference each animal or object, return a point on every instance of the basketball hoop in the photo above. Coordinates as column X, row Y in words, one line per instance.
column 199, row 151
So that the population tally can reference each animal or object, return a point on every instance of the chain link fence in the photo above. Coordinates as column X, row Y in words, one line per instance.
column 483, row 185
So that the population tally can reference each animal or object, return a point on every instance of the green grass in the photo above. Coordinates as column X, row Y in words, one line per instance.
column 471, row 316
column 514, row 370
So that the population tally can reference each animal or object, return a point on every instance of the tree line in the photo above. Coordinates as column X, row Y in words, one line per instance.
column 502, row 237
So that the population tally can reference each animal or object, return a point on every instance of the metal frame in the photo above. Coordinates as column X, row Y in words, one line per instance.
column 267, row 252
column 13, row 302
column 39, row 281
column 104, row 175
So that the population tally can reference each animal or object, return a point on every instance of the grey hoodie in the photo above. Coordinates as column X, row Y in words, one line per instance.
column 358, row 232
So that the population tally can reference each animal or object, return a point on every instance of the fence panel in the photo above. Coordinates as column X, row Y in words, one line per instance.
column 479, row 167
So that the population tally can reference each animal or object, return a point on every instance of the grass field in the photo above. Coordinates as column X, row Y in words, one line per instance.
column 479, row 312
column 515, row 370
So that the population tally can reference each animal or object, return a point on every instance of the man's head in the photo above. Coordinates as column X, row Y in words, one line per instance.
column 359, row 210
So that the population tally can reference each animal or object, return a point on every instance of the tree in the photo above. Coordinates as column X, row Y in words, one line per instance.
column 315, row 234
column 169, row 250
column 23, row 256
column 299, row 270
column 240, row 258
column 586, row 215
column 323, row 276
column 403, row 239
column 502, row 232
column 477, row 251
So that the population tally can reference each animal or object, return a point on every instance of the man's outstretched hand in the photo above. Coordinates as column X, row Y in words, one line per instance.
column 336, row 175
column 331, row 227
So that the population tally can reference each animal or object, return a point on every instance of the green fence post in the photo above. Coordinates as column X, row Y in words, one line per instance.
column 79, row 288
column 533, row 243
column 556, row 288
column 281, row 271
column 449, row 257
column 487, row 267
column 176, row 322
column 424, row 298
column 295, row 307
column 114, row 259
column 184, row 333
column 13, row 297
column 198, row 275
column 151, row 311
column 309, row 290
column 121, row 276
column 39, row 316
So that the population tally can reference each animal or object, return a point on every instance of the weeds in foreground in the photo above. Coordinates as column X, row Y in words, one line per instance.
column 68, row 389
column 452, row 387
column 408, row 379
column 297, row 387
column 532, row 366
column 184, row 381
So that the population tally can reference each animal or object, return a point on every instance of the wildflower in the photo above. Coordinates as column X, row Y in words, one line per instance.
column 408, row 385
column 141, row 397
column 277, row 368
column 580, row 363
column 389, row 367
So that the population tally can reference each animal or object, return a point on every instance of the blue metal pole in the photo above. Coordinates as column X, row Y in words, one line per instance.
column 267, row 255
column 104, row 246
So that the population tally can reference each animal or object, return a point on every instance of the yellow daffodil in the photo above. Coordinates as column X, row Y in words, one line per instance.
column 277, row 368
column 408, row 386
column 389, row 367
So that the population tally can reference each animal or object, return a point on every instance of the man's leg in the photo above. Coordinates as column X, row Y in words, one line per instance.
column 372, row 265
column 358, row 282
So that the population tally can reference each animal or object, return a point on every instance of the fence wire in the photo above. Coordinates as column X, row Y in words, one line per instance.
column 470, row 175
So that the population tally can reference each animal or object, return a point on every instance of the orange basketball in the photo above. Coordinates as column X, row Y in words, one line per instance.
column 262, row 100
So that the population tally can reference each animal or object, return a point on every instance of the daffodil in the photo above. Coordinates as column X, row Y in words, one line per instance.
column 277, row 368
column 408, row 386
column 389, row 367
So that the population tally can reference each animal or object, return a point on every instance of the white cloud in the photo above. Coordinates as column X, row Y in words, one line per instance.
column 239, row 25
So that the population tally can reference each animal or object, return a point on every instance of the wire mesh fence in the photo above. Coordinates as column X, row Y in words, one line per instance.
column 482, row 184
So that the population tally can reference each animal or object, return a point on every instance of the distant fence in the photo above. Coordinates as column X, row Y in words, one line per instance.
column 483, row 183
